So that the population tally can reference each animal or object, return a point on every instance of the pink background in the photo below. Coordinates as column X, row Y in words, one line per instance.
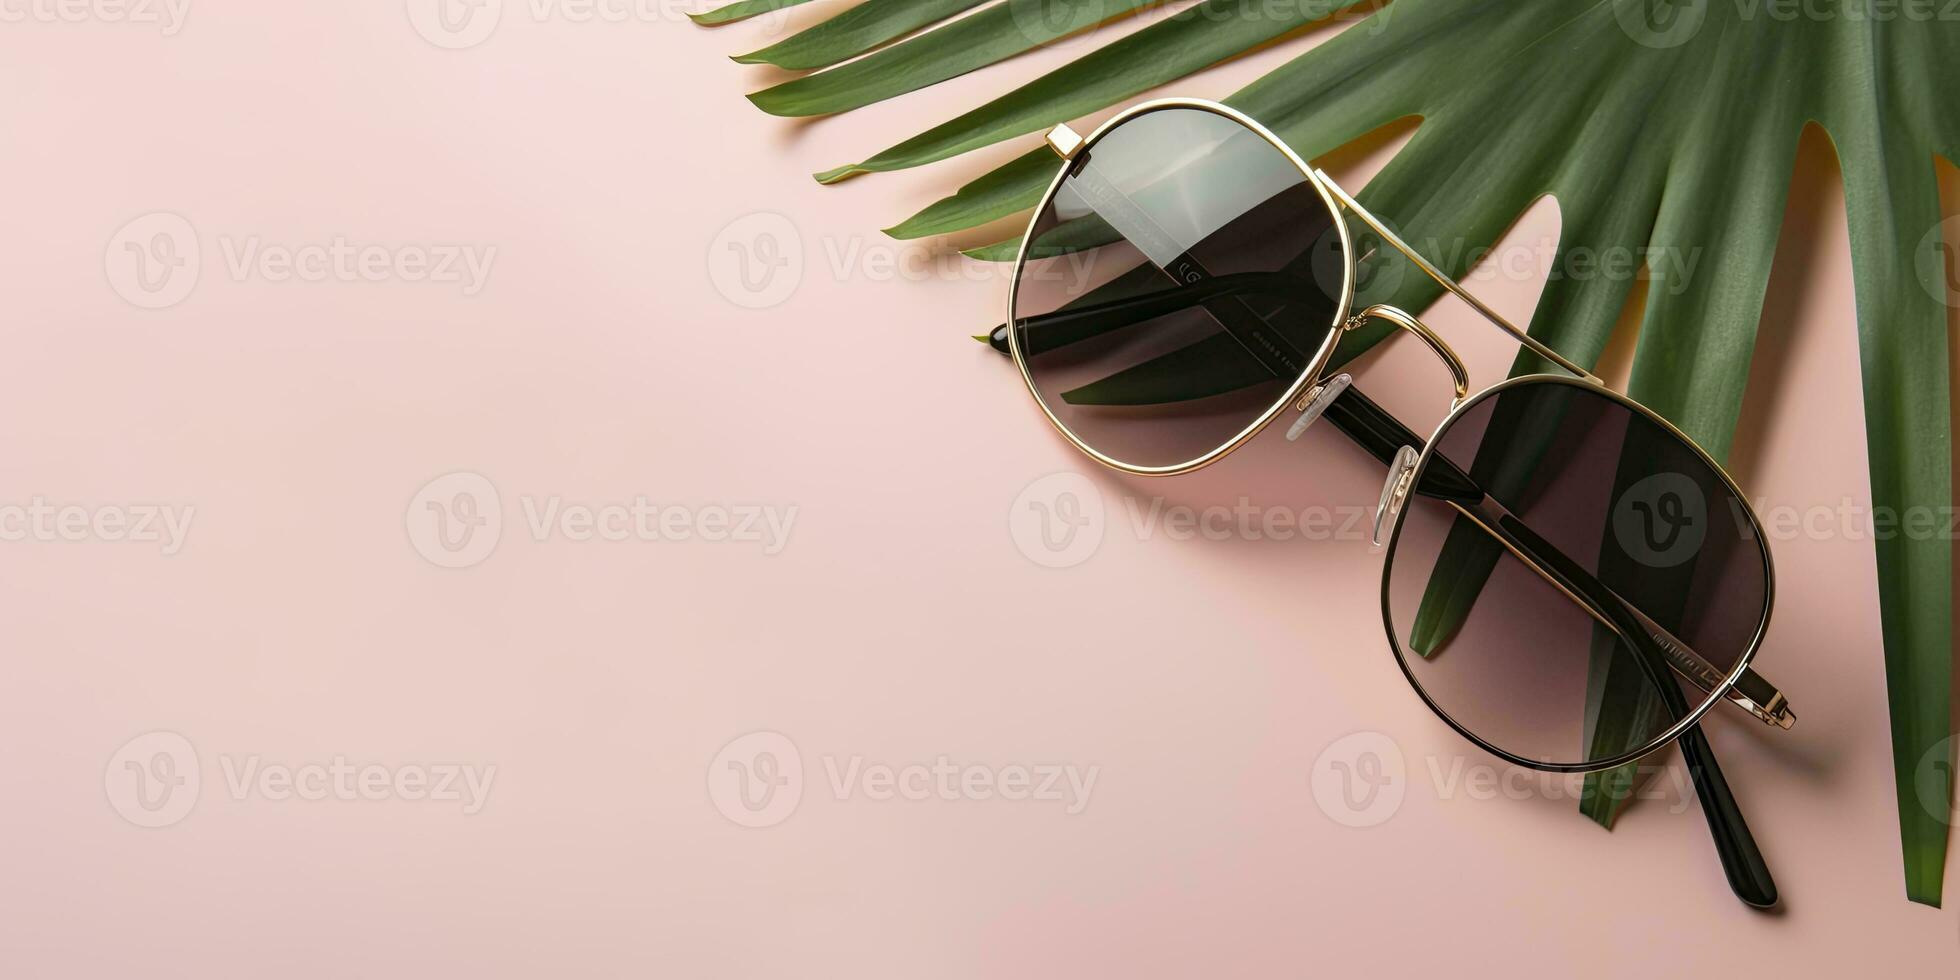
column 903, row 620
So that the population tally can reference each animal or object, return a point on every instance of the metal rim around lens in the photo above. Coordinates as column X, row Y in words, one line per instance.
column 1314, row 368
column 1712, row 698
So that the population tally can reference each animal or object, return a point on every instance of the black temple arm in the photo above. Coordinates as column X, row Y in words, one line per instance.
column 1742, row 860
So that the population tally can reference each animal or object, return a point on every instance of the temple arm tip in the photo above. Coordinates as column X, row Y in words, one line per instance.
column 997, row 339
column 1742, row 860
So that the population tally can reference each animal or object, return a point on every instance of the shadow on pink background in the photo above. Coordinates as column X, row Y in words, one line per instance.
column 1172, row 706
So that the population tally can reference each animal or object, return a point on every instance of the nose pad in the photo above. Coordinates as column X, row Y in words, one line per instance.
column 1315, row 402
column 1395, row 492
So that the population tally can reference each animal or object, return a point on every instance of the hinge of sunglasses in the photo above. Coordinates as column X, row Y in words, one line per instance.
column 1313, row 404
column 1395, row 492
column 1776, row 713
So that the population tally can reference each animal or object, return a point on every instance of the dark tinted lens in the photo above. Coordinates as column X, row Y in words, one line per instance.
column 1169, row 295
column 1616, row 498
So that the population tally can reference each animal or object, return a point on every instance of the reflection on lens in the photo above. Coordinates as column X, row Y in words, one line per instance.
column 1505, row 651
column 1169, row 296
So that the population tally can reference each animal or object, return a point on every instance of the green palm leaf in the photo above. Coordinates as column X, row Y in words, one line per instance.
column 1196, row 38
column 990, row 36
column 1666, row 129
column 854, row 32
column 729, row 13
column 986, row 38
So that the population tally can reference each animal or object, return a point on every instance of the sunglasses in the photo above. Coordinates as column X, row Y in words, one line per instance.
column 1569, row 581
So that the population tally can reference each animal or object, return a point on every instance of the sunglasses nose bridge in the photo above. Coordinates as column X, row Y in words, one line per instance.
column 1459, row 375
column 1314, row 403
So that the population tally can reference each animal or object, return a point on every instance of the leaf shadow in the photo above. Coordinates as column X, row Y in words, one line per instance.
column 1816, row 183
column 1948, row 176
column 1803, row 246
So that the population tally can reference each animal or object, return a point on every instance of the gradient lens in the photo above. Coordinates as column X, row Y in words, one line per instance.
column 1515, row 660
column 1168, row 298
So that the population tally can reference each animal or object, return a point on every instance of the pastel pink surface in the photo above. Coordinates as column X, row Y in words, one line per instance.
column 1201, row 679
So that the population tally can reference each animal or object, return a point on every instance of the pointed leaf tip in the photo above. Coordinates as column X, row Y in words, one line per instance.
column 840, row 173
column 762, row 99
column 1006, row 251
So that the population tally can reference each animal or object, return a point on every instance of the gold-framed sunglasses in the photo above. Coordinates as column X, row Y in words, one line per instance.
column 1569, row 581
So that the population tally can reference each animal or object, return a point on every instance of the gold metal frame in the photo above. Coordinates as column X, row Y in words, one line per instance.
column 1775, row 713
column 1459, row 375
column 1067, row 145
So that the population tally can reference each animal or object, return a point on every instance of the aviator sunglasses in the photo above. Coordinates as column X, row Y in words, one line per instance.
column 1569, row 581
